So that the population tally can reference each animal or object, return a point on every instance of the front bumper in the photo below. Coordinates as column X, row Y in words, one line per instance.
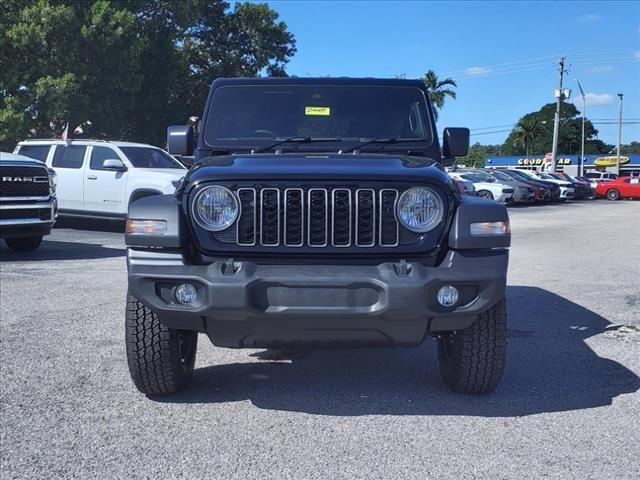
column 22, row 219
column 245, row 304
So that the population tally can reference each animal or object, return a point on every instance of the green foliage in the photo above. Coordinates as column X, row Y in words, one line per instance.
column 533, row 134
column 477, row 154
column 131, row 67
column 438, row 90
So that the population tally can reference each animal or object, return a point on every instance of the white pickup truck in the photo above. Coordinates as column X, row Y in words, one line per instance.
column 98, row 178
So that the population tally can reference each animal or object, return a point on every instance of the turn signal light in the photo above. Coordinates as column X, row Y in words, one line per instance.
column 490, row 228
column 146, row 226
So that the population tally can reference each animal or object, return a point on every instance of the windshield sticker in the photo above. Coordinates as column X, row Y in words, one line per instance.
column 322, row 111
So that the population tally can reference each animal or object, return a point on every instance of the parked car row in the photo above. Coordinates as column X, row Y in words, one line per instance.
column 521, row 186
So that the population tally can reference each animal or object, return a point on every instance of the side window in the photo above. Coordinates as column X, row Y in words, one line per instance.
column 69, row 156
column 39, row 152
column 99, row 155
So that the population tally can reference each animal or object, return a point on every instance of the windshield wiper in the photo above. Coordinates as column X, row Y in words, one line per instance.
column 381, row 140
column 297, row 140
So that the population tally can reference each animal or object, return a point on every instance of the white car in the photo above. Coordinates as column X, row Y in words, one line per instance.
column 567, row 191
column 492, row 190
column 98, row 178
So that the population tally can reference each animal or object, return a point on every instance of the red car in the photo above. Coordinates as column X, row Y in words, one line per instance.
column 623, row 187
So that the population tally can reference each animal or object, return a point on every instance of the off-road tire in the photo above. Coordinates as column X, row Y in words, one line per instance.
column 24, row 244
column 160, row 359
column 613, row 194
column 485, row 194
column 472, row 360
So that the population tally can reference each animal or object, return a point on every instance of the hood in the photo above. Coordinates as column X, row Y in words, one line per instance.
column 168, row 173
column 366, row 167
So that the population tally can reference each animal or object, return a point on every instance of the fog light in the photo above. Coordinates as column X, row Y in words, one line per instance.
column 448, row 296
column 186, row 294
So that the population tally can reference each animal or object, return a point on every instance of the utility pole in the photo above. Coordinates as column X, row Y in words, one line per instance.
column 556, row 119
column 584, row 112
column 619, row 136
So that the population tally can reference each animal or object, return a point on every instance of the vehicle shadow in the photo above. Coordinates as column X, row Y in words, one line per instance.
column 93, row 225
column 550, row 369
column 54, row 250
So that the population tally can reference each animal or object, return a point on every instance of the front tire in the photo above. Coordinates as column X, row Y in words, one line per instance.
column 472, row 360
column 613, row 194
column 24, row 244
column 160, row 359
column 485, row 194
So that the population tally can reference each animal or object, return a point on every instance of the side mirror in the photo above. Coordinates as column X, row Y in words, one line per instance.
column 180, row 140
column 114, row 164
column 455, row 143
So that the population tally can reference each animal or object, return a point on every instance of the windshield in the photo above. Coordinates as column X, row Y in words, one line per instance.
column 502, row 176
column 144, row 157
column 256, row 115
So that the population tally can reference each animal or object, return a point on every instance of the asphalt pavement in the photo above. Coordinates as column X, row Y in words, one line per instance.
column 568, row 406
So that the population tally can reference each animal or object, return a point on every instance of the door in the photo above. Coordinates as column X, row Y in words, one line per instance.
column 104, row 190
column 69, row 163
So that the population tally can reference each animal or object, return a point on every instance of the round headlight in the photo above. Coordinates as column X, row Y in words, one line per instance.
column 420, row 209
column 215, row 208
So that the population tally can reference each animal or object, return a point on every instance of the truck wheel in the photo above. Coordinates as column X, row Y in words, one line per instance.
column 613, row 194
column 23, row 244
column 472, row 360
column 485, row 194
column 160, row 359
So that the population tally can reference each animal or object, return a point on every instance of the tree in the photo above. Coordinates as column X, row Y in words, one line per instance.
column 131, row 67
column 529, row 130
column 478, row 153
column 540, row 142
column 438, row 90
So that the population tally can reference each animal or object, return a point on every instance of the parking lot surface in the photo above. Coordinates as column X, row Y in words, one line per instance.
column 567, row 407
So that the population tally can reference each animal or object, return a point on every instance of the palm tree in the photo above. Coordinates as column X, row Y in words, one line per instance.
column 438, row 91
column 528, row 131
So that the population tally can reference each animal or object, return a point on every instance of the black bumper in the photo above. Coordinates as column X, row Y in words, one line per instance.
column 255, row 305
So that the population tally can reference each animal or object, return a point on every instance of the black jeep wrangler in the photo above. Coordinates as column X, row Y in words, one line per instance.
column 318, row 214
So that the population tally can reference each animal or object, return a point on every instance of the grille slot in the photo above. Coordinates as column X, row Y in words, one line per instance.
column 246, row 225
column 389, row 228
column 34, row 181
column 341, row 217
column 365, row 218
column 270, row 217
column 317, row 216
column 293, row 217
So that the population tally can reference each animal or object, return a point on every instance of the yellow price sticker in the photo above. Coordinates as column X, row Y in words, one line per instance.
column 321, row 111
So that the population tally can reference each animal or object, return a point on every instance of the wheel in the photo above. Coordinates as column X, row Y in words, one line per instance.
column 485, row 194
column 613, row 194
column 472, row 360
column 160, row 359
column 23, row 244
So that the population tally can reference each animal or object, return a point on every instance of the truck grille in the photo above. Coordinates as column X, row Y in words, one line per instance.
column 20, row 181
column 316, row 217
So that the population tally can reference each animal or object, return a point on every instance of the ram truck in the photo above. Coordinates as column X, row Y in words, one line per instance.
column 318, row 214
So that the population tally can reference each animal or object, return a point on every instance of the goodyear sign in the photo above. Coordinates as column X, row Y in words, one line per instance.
column 542, row 161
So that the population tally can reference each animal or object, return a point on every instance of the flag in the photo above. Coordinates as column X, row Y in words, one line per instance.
column 65, row 133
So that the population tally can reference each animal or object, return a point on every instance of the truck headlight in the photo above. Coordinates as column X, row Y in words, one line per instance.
column 420, row 209
column 53, row 180
column 215, row 208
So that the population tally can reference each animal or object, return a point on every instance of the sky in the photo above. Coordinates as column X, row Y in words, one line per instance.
column 503, row 55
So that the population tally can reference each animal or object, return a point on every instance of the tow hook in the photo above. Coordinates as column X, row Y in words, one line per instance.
column 230, row 267
column 403, row 268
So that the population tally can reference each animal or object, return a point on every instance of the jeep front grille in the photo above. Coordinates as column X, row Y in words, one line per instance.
column 316, row 217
